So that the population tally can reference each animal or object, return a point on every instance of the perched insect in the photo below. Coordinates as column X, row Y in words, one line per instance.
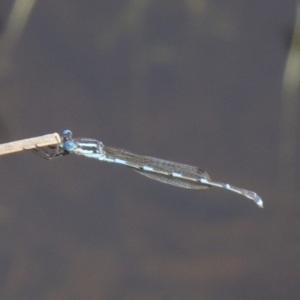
column 169, row 172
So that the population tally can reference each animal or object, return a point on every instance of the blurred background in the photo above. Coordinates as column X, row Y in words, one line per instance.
column 207, row 83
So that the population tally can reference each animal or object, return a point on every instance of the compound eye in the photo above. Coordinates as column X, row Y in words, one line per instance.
column 67, row 133
column 69, row 145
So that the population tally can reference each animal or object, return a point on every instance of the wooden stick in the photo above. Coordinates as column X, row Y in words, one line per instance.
column 39, row 141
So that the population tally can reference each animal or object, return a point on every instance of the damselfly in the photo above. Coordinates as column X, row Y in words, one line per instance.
column 169, row 172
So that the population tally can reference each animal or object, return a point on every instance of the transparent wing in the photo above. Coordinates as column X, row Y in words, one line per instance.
column 169, row 172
